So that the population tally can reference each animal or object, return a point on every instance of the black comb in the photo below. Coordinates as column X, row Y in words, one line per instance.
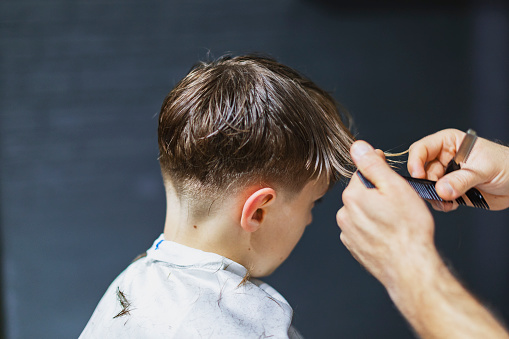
column 426, row 190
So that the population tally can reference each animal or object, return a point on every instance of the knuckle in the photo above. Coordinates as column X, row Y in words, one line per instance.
column 342, row 220
column 348, row 196
column 372, row 160
column 413, row 147
column 341, row 217
column 343, row 239
column 459, row 182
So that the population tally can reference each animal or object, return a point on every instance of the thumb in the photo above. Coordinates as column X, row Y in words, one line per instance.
column 455, row 184
column 370, row 163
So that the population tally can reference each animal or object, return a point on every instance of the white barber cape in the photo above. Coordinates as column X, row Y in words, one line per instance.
column 181, row 292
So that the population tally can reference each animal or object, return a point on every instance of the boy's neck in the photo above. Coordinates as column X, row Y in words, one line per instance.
column 219, row 233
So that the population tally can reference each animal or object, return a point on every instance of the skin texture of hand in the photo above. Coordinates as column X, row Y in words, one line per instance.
column 487, row 168
column 389, row 230
column 395, row 220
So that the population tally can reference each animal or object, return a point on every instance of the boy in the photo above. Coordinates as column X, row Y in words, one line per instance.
column 247, row 145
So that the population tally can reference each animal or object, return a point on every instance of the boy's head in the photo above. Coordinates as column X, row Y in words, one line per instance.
column 248, row 120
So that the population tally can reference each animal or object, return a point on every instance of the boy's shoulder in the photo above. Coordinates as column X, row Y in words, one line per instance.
column 182, row 292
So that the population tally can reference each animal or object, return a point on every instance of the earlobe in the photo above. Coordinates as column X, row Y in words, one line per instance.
column 253, row 212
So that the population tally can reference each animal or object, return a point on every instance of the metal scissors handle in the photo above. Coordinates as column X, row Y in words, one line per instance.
column 461, row 156
column 426, row 188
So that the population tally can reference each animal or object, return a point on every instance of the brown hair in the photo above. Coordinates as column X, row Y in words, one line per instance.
column 249, row 120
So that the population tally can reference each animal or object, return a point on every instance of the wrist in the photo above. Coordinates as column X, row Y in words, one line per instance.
column 416, row 273
column 437, row 306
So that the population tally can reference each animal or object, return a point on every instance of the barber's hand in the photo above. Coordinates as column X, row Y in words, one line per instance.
column 487, row 168
column 389, row 230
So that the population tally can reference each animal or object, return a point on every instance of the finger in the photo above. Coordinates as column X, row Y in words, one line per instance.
column 443, row 206
column 355, row 254
column 455, row 184
column 380, row 153
column 437, row 205
column 341, row 218
column 440, row 146
column 372, row 166
column 420, row 153
column 434, row 170
column 344, row 239
column 343, row 222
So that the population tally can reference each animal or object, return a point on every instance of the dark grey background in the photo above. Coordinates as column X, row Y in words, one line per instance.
column 81, row 194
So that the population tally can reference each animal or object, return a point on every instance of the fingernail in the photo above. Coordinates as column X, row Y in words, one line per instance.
column 360, row 148
column 413, row 172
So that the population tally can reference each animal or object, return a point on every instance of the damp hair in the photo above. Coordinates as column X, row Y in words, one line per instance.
column 249, row 120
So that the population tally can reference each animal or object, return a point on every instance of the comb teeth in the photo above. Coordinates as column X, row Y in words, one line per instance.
column 477, row 199
column 461, row 201
column 426, row 190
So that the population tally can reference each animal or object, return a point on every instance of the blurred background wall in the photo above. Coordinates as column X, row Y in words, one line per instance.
column 81, row 83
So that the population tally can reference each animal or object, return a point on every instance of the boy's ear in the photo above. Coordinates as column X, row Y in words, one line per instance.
column 253, row 211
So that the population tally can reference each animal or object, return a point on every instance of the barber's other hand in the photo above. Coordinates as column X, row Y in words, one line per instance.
column 389, row 230
column 487, row 168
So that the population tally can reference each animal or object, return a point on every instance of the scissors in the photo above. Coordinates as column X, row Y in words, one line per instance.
column 426, row 188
